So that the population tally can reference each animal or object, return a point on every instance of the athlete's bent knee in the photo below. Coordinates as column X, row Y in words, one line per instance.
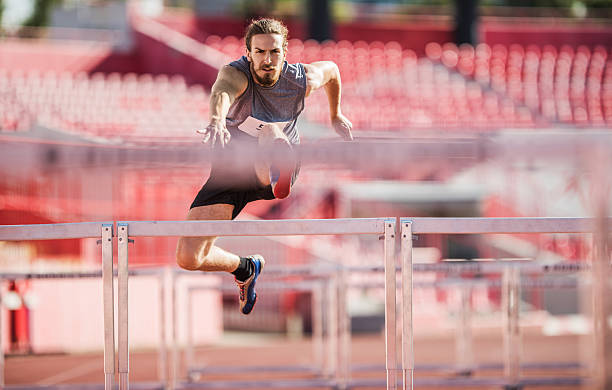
column 186, row 260
column 189, row 256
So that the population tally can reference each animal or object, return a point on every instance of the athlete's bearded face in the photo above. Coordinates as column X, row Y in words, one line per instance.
column 266, row 58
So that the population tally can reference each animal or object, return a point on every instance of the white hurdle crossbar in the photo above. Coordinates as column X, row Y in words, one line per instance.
column 101, row 230
column 384, row 227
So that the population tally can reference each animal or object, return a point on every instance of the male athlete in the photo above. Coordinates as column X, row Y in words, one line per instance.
column 255, row 100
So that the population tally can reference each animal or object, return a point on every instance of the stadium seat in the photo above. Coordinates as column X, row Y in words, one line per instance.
column 385, row 87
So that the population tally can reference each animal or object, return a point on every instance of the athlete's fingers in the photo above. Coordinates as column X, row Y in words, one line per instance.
column 205, row 133
column 206, row 137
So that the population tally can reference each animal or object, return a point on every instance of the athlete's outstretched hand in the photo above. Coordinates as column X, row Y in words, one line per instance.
column 343, row 127
column 214, row 133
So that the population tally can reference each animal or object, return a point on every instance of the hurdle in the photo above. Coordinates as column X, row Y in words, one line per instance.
column 384, row 228
column 465, row 365
column 465, row 285
column 104, row 232
column 409, row 227
column 315, row 287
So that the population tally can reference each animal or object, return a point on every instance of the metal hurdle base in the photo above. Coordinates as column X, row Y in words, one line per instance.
column 195, row 373
column 474, row 382
column 475, row 368
column 86, row 386
column 420, row 382
column 275, row 383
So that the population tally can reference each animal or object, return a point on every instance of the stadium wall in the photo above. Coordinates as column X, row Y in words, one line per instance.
column 533, row 33
column 413, row 34
column 64, row 56
column 162, row 50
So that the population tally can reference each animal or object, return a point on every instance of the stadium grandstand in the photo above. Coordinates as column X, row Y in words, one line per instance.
column 98, row 113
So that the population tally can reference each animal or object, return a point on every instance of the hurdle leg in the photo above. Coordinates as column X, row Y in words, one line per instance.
column 108, row 305
column 317, row 326
column 601, row 363
column 390, row 306
column 189, row 353
column 162, row 368
column 464, row 341
column 601, row 303
column 407, row 333
column 344, row 325
column 512, row 338
column 332, row 330
column 174, row 312
column 2, row 347
column 328, row 368
column 122, row 281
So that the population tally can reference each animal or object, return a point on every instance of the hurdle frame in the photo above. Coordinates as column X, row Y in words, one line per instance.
column 315, row 287
column 413, row 226
column 383, row 227
column 408, row 227
column 100, row 230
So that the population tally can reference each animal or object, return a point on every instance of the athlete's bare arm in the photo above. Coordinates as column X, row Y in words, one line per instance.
column 229, row 85
column 326, row 74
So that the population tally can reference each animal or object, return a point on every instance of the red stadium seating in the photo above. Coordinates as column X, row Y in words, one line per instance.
column 559, row 86
column 127, row 108
column 385, row 88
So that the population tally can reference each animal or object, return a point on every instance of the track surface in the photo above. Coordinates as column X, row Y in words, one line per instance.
column 241, row 350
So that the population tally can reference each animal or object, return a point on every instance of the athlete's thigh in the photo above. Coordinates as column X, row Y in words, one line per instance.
column 211, row 212
column 272, row 134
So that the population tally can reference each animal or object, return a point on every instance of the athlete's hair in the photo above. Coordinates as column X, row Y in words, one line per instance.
column 266, row 26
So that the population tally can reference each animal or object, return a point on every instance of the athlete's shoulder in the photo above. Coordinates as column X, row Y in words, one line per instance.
column 241, row 64
column 232, row 80
column 229, row 72
column 294, row 73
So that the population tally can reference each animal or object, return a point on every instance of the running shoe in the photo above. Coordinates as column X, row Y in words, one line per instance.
column 281, row 172
column 248, row 296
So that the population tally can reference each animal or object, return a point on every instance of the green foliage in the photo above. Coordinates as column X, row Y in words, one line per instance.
column 42, row 12
column 505, row 3
column 549, row 3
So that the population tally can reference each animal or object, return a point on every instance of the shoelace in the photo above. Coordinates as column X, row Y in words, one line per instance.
column 242, row 287
column 242, row 292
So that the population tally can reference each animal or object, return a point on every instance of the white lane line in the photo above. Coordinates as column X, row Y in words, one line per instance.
column 74, row 372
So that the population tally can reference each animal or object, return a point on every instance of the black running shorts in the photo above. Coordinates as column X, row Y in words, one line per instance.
column 230, row 183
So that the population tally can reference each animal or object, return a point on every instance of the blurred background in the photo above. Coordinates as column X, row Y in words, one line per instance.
column 100, row 100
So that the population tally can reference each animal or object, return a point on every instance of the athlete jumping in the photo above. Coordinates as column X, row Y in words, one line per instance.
column 255, row 100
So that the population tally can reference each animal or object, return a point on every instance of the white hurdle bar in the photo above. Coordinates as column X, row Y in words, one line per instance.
column 385, row 227
column 101, row 230
column 412, row 226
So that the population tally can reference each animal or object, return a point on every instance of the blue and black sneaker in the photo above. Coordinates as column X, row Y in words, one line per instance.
column 248, row 296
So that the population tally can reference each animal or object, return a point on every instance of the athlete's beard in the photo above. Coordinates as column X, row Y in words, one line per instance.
column 267, row 80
